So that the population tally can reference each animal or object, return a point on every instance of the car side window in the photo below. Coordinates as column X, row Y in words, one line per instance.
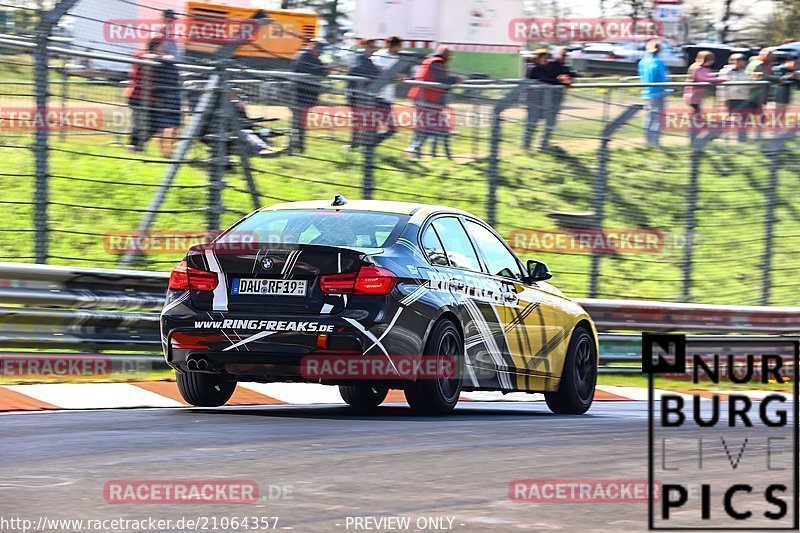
column 499, row 260
column 434, row 250
column 456, row 244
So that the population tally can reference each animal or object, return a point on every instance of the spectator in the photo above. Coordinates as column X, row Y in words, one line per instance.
column 653, row 70
column 141, row 94
column 165, row 113
column 362, row 105
column 385, row 59
column 306, row 91
column 171, row 47
column 699, row 72
column 535, row 70
column 788, row 77
column 558, row 74
column 737, row 97
column 760, row 69
column 429, row 101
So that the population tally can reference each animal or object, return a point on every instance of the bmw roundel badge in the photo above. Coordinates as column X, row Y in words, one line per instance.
column 266, row 263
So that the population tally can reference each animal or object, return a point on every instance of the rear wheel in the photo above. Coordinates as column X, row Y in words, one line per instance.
column 576, row 389
column 204, row 390
column 439, row 395
column 363, row 396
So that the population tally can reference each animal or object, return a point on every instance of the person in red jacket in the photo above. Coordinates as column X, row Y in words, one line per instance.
column 141, row 94
column 429, row 101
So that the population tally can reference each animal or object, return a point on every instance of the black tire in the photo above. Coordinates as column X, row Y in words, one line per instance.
column 579, row 378
column 363, row 396
column 439, row 396
column 204, row 390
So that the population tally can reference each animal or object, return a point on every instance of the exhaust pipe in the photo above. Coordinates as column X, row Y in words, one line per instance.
column 197, row 363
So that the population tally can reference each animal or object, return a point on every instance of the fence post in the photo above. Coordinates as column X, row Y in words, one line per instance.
column 244, row 157
column 699, row 143
column 40, row 147
column 600, row 189
column 47, row 19
column 774, row 152
column 219, row 158
column 494, row 148
column 64, row 94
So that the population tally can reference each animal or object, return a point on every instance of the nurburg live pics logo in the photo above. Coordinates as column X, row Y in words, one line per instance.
column 726, row 459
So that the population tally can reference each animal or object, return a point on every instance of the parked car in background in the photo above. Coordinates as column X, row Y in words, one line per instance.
column 790, row 48
column 622, row 57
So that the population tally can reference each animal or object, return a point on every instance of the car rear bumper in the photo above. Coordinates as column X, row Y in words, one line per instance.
column 277, row 348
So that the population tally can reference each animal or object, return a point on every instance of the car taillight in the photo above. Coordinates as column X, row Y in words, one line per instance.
column 184, row 277
column 374, row 280
column 368, row 280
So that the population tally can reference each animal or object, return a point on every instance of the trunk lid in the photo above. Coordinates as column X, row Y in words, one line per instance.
column 271, row 279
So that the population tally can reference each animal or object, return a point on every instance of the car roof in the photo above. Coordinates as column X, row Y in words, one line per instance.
column 793, row 47
column 378, row 206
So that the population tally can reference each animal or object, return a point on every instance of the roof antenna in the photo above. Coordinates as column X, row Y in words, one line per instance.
column 339, row 200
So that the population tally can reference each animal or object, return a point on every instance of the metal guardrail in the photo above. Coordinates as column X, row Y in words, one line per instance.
column 93, row 309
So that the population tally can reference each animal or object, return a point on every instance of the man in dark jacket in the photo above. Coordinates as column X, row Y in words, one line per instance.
column 558, row 75
column 306, row 90
column 363, row 106
column 535, row 70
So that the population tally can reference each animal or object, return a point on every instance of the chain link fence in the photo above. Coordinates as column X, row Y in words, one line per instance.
column 564, row 173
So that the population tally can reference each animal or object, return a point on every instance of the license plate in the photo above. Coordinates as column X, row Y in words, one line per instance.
column 269, row 287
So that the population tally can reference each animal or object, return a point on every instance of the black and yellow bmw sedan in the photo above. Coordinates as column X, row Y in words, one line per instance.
column 372, row 296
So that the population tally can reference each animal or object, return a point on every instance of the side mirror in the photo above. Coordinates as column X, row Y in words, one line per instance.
column 538, row 271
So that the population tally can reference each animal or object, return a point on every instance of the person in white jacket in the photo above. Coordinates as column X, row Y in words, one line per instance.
column 737, row 97
column 385, row 59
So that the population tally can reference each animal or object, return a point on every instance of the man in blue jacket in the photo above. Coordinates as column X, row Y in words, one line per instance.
column 653, row 70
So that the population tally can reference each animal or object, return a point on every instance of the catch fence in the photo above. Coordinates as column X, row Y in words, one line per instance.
column 564, row 173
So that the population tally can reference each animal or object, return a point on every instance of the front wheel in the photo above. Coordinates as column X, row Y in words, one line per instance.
column 438, row 395
column 579, row 377
column 363, row 396
column 204, row 390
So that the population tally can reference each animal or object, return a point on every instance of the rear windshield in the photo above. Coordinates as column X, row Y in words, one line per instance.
column 357, row 229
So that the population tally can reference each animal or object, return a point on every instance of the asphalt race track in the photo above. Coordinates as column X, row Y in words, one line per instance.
column 336, row 464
